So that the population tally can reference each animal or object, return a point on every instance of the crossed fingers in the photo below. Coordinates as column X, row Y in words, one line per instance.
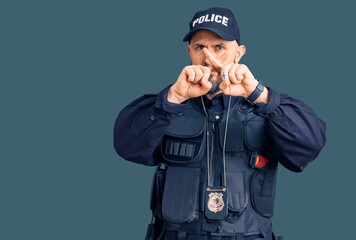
column 217, row 64
column 232, row 72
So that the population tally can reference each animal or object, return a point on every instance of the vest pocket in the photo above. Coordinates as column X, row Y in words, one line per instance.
column 180, row 198
column 263, row 185
column 255, row 133
column 237, row 195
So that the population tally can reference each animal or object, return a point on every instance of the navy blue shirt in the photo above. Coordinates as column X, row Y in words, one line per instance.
column 298, row 135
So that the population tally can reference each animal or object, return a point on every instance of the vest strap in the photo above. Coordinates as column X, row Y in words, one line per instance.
column 239, row 236
column 202, row 228
column 182, row 234
column 212, row 228
column 195, row 228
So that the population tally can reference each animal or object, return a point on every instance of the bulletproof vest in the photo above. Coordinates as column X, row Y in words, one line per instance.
column 179, row 197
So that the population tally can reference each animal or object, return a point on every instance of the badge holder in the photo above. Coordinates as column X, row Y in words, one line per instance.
column 216, row 202
column 216, row 205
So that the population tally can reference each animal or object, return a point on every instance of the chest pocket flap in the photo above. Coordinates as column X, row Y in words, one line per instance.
column 183, row 140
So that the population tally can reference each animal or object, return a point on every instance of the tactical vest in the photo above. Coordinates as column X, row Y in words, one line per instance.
column 179, row 199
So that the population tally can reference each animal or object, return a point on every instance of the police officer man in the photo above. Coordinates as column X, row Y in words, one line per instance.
column 216, row 135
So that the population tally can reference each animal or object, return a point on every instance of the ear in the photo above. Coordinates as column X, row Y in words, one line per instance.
column 240, row 51
column 189, row 49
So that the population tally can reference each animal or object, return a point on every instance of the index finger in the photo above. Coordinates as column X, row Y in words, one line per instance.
column 214, row 62
column 223, row 58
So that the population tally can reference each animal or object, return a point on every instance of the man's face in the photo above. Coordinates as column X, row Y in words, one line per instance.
column 217, row 47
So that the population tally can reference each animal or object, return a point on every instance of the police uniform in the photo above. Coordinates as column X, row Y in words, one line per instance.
column 216, row 159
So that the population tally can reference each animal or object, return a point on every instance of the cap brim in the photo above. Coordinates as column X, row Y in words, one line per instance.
column 220, row 33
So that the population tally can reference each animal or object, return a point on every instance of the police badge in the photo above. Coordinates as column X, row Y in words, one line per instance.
column 216, row 202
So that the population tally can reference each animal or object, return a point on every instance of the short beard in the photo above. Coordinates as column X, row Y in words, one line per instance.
column 215, row 85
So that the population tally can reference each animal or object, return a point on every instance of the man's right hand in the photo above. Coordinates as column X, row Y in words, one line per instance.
column 192, row 82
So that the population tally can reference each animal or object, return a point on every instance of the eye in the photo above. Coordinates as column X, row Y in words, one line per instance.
column 219, row 47
column 199, row 47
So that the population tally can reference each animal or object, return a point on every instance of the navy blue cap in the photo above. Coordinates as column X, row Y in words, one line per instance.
column 218, row 20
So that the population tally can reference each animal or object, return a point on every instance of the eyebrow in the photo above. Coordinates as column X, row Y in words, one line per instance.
column 199, row 45
column 221, row 44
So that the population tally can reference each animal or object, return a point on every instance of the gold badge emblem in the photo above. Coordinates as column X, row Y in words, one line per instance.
column 216, row 202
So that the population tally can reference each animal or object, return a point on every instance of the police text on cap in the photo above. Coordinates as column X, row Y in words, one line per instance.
column 213, row 18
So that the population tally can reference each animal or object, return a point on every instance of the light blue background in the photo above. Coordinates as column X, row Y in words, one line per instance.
column 69, row 67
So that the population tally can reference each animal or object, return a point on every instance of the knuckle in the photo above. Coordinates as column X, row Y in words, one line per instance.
column 189, row 71
column 244, row 67
column 198, row 76
column 185, row 70
column 231, row 74
column 188, row 68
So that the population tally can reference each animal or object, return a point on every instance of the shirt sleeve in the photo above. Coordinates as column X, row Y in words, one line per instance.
column 140, row 126
column 297, row 134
